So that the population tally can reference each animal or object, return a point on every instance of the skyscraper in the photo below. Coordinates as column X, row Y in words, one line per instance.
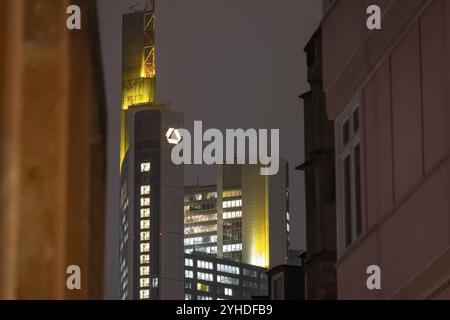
column 151, row 226
column 234, row 231
column 244, row 218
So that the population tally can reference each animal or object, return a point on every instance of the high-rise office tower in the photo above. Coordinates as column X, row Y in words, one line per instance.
column 244, row 218
column 151, row 223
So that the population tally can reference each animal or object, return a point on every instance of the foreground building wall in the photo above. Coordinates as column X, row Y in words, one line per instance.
column 319, row 168
column 388, row 92
column 52, row 151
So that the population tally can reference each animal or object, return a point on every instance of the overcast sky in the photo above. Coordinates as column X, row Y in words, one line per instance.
column 229, row 63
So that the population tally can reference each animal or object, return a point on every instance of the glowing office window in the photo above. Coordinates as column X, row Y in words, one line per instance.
column 145, row 213
column 145, row 282
column 145, row 258
column 145, row 202
column 145, row 247
column 228, row 292
column 202, row 287
column 145, row 271
column 145, row 190
column 145, row 236
column 188, row 262
column 198, row 197
column 232, row 215
column 227, row 269
column 232, row 193
column 188, row 274
column 145, row 167
column 205, row 276
column 144, row 294
column 145, row 224
column 155, row 283
column 232, row 204
column 228, row 280
column 232, row 247
column 204, row 265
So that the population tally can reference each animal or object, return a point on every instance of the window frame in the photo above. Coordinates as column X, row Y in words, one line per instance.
column 343, row 151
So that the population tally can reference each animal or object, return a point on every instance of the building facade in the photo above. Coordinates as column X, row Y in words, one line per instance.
column 151, row 223
column 387, row 94
column 244, row 218
column 210, row 278
column 319, row 170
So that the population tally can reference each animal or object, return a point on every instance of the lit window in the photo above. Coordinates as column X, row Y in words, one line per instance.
column 288, row 227
column 227, row 269
column 187, row 296
column 145, row 258
column 145, row 167
column 204, row 298
column 145, row 190
column 232, row 214
column 145, row 282
column 198, row 196
column 145, row 224
column 145, row 236
column 228, row 280
column 202, row 287
column 145, row 294
column 205, row 276
column 228, row 292
column 232, row 204
column 204, row 265
column 188, row 262
column 188, row 274
column 145, row 247
column 145, row 213
column 232, row 247
column 145, row 271
column 155, row 282
column 145, row 202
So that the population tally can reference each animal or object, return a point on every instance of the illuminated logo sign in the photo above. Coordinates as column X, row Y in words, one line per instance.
column 173, row 136
column 235, row 143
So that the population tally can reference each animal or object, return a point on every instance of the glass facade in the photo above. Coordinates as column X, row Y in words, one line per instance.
column 208, row 277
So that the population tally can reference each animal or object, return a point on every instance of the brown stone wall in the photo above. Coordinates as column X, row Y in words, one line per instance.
column 52, row 158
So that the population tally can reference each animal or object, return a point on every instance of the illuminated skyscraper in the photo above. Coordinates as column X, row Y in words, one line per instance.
column 151, row 201
column 244, row 218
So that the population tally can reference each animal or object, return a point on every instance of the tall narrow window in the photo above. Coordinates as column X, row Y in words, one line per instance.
column 348, row 164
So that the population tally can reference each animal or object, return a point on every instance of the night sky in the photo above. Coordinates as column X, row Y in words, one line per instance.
column 229, row 63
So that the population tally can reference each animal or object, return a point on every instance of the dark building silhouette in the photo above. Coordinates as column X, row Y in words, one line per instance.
column 286, row 282
column 319, row 260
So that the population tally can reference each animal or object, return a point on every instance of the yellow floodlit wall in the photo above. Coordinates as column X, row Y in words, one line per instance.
column 255, row 224
column 138, row 68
